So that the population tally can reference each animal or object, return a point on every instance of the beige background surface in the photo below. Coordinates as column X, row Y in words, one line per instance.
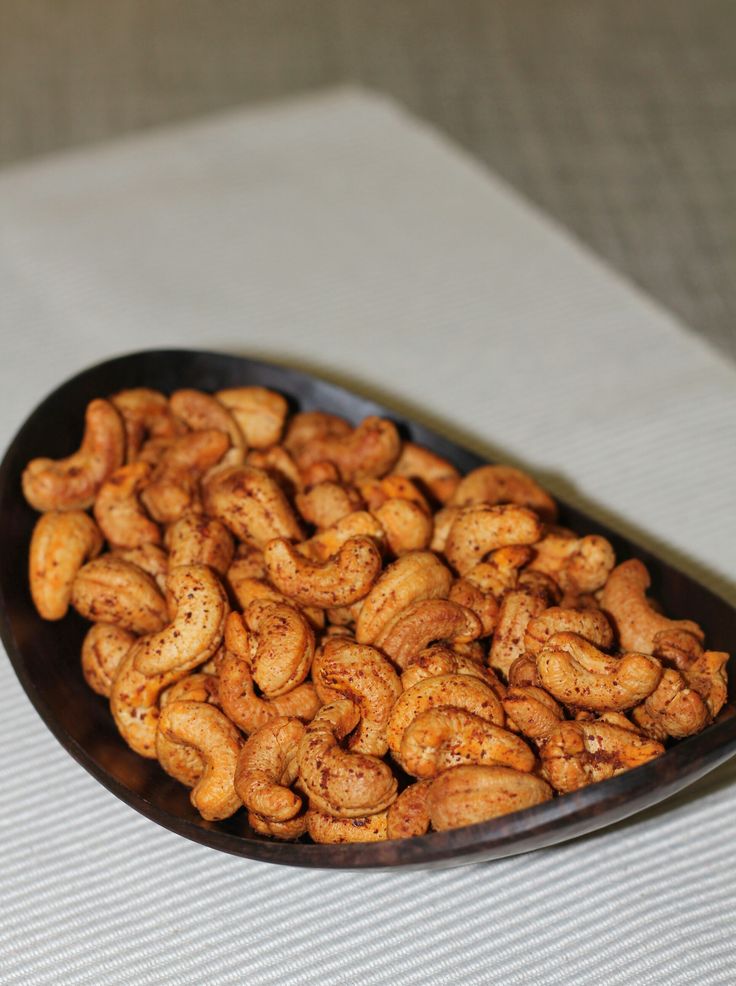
column 619, row 118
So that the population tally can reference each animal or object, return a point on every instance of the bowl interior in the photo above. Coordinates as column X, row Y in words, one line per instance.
column 46, row 655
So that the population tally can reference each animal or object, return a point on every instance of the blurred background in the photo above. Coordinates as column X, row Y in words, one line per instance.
column 617, row 118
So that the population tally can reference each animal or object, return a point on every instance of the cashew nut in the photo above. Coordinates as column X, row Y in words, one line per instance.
column 151, row 558
column 121, row 518
column 146, row 414
column 409, row 814
column 517, row 610
column 252, row 505
column 174, row 485
column 341, row 580
column 195, row 539
column 581, row 753
column 282, row 648
column 639, row 626
column 62, row 541
column 200, row 412
column 707, row 676
column 468, row 794
column 260, row 413
column 134, row 703
column 576, row 564
column 672, row 709
column 331, row 830
column 503, row 484
column 478, row 530
column 111, row 590
column 406, row 525
column 72, row 483
column 376, row 492
column 199, row 605
column 435, row 473
column 217, row 741
column 369, row 450
column 309, row 426
column 279, row 465
column 327, row 503
column 440, row 659
column 483, row 604
column 329, row 541
column 104, row 647
column 532, row 710
column 590, row 624
column 247, row 590
column 183, row 762
column 426, row 621
column 267, row 767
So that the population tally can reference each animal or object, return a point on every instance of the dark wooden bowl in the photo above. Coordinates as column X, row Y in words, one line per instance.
column 46, row 655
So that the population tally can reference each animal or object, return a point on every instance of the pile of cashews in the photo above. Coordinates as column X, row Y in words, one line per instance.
column 332, row 628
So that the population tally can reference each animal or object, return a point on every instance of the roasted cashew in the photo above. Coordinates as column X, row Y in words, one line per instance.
column 412, row 577
column 435, row 473
column 500, row 572
column 330, row 830
column 282, row 647
column 639, row 626
column 576, row 564
column 252, row 505
column 62, row 541
column 260, row 413
column 423, row 623
column 445, row 737
column 345, row 669
column 581, row 753
column 376, row 492
column 319, row 472
column 327, row 503
column 183, row 762
column 267, row 767
column 406, row 525
column 337, row 781
column 134, row 703
column 217, row 741
column 146, row 415
column 577, row 674
column 707, row 676
column 199, row 608
column 341, row 580
column 195, row 539
column 250, row 558
column 201, row 412
column 443, row 521
column 523, row 672
column 590, row 624
column 72, row 483
column 310, row 426
column 292, row 829
column 440, row 659
column 103, row 649
column 533, row 711
column 279, row 465
column 480, row 529
column 517, row 610
column 483, row 604
column 151, row 558
column 457, row 691
column 174, row 485
column 248, row 590
column 329, row 541
column 468, row 794
column 121, row 518
column 503, row 484
column 672, row 709
column 111, row 590
column 369, row 450
column 409, row 814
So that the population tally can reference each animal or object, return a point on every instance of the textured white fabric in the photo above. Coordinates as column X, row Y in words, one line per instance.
column 338, row 234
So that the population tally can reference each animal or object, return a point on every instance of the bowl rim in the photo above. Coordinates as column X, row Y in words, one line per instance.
column 560, row 819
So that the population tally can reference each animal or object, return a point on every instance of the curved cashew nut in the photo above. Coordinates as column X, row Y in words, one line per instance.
column 439, row 659
column 638, row 624
column 483, row 604
column 247, row 590
column 249, row 561
column 121, row 518
column 576, row 673
column 146, row 415
column 503, row 484
column 330, row 830
column 480, row 529
column 412, row 577
column 267, row 767
column 500, row 572
column 200, row 412
column 459, row 691
column 252, row 505
column 578, row 564
column 283, row 648
column 707, row 676
column 62, row 541
column 199, row 605
column 341, row 580
column 174, row 485
column 72, row 483
column 523, row 672
column 369, row 450
column 438, row 475
column 286, row 831
column 259, row 413
column 134, row 703
column 308, row 426
column 217, row 741
column 195, row 539
column 468, row 794
column 337, row 781
column 424, row 622
column 409, row 814
column 182, row 762
column 103, row 649
column 346, row 669
column 406, row 525
column 517, row 610
column 673, row 709
column 151, row 558
column 279, row 465
column 590, row 624
column 111, row 590
column 376, row 492
column 329, row 541
column 326, row 503
column 533, row 711
column 581, row 753
column 445, row 737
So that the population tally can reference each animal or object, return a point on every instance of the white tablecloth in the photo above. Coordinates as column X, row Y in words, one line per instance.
column 338, row 234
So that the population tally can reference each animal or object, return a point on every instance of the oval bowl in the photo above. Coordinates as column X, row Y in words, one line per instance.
column 46, row 655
